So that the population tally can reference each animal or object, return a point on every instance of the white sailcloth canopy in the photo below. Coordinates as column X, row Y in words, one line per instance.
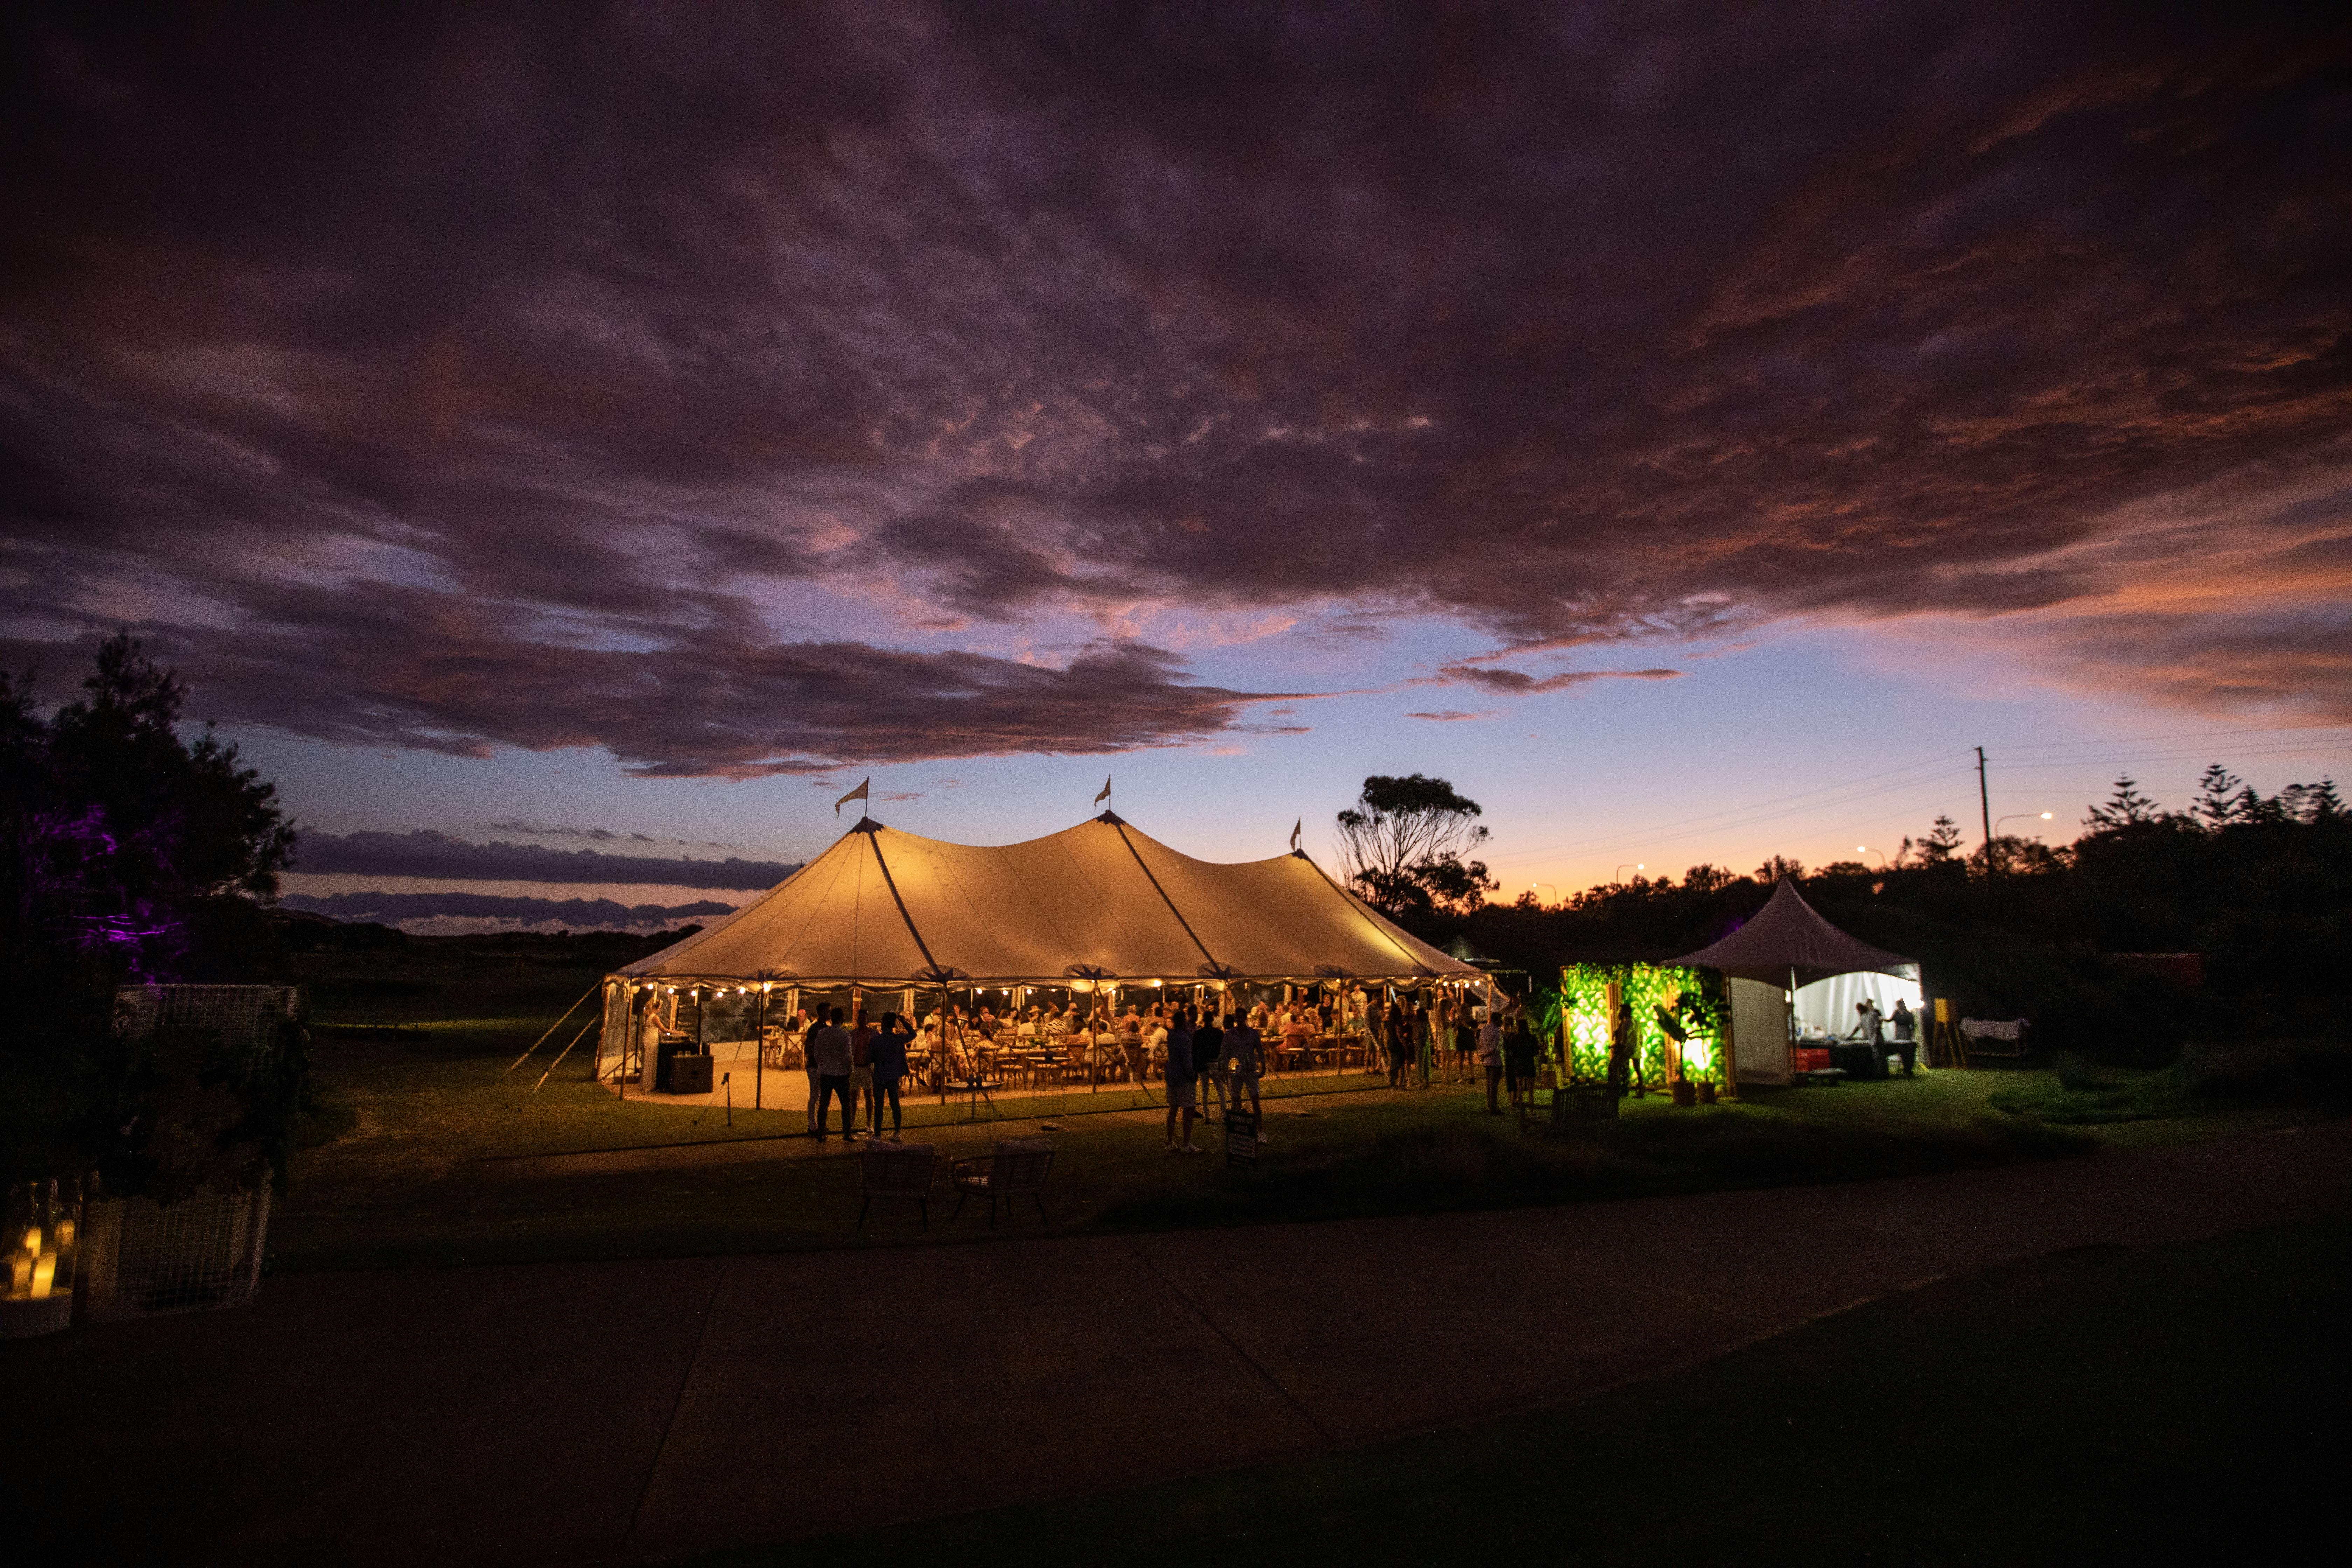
column 1098, row 901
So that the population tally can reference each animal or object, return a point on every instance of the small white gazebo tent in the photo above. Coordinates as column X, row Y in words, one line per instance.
column 1773, row 962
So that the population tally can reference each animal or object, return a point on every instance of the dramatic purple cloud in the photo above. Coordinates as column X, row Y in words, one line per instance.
column 408, row 667
column 1517, row 683
column 459, row 377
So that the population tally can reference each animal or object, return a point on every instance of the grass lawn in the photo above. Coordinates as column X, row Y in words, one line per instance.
column 403, row 1165
column 2182, row 1403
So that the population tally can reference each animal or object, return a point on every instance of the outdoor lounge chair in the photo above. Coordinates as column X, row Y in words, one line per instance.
column 896, row 1171
column 1007, row 1175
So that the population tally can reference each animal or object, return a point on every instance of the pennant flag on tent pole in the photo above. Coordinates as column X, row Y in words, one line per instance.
column 858, row 794
column 1106, row 791
column 1296, row 829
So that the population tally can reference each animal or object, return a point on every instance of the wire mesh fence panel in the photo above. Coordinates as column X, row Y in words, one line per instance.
column 247, row 1019
column 146, row 1257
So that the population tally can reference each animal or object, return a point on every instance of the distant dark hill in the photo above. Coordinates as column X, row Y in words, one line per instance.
column 577, row 914
column 438, row 855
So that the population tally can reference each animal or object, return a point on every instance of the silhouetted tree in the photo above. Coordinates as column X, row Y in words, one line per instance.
column 2125, row 809
column 1942, row 842
column 1402, row 846
column 2219, row 800
column 131, row 855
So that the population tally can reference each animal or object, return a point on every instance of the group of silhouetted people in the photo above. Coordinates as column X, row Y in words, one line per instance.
column 1223, row 1051
column 861, row 1066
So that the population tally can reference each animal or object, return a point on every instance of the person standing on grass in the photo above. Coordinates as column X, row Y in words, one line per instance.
column 1180, row 1074
column 885, row 1056
column 861, row 1080
column 1490, row 1057
column 1208, row 1056
column 809, row 1027
column 1519, row 1065
column 1487, row 1045
column 1243, row 1050
column 1906, row 1042
column 1396, row 1041
column 828, row 1050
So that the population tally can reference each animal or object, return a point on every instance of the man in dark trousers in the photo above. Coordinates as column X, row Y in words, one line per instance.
column 828, row 1048
column 1209, row 1058
column 861, row 1079
column 1242, row 1050
column 889, row 1056
column 1519, row 1065
column 1906, row 1041
column 1181, row 1093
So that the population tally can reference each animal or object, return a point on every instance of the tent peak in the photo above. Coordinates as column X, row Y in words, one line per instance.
column 1788, row 941
column 866, row 824
column 1112, row 818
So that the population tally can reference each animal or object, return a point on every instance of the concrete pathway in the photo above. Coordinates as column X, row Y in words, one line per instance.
column 626, row 1411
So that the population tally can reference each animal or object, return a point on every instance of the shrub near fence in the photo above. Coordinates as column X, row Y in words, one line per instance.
column 209, row 1079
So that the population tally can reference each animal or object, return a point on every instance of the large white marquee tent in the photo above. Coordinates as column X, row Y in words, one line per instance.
column 1098, row 905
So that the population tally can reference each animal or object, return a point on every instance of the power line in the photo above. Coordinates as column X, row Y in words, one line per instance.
column 2184, row 735
column 1742, row 816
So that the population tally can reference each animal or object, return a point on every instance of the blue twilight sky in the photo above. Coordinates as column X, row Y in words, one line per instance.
column 1688, row 431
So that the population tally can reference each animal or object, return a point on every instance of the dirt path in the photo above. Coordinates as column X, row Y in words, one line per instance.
column 633, row 1410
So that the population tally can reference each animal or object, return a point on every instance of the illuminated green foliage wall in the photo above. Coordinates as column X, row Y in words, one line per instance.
column 1695, row 997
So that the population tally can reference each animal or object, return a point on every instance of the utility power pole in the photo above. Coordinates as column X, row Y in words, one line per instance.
column 1984, row 802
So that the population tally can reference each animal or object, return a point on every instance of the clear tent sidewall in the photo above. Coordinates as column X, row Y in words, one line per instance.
column 736, row 1010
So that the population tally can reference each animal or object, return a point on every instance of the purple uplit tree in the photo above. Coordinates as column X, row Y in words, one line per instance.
column 131, row 855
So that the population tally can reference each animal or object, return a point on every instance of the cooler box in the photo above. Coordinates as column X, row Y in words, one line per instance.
column 1809, row 1058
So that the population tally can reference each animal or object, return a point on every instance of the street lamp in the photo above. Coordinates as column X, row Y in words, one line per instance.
column 1867, row 849
column 1619, row 875
column 1554, row 886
